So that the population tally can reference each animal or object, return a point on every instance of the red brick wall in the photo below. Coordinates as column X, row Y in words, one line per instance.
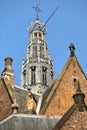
column 5, row 102
column 62, row 98
column 11, row 80
column 77, row 121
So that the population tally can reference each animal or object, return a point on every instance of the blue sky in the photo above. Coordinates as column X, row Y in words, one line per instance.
column 68, row 25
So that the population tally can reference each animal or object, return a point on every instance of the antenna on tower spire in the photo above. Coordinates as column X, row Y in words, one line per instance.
column 37, row 9
column 50, row 16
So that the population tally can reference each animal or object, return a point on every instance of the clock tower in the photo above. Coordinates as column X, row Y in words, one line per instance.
column 37, row 70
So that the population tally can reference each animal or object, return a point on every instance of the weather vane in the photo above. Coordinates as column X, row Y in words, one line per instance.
column 37, row 9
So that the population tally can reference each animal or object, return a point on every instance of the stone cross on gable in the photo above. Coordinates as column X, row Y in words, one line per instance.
column 72, row 48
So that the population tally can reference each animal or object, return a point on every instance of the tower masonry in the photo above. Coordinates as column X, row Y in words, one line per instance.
column 37, row 70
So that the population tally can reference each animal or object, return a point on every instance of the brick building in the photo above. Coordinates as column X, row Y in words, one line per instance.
column 59, row 98
column 75, row 118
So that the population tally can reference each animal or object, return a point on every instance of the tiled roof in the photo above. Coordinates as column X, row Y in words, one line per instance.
column 21, row 97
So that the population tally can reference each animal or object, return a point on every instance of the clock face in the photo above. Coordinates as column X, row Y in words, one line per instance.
column 37, row 26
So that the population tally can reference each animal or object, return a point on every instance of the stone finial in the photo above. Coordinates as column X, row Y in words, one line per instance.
column 72, row 48
column 79, row 96
column 15, row 107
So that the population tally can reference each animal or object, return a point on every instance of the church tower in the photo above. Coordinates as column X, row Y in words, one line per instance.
column 37, row 70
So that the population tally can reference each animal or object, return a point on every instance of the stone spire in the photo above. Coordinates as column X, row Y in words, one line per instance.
column 72, row 49
column 79, row 97
column 37, row 70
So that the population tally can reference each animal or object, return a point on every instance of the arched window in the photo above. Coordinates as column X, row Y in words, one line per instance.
column 33, row 76
column 44, row 75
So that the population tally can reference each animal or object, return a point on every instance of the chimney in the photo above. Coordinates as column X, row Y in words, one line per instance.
column 8, row 72
column 79, row 97
column 8, row 64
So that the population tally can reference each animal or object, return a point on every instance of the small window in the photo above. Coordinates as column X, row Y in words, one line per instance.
column 44, row 75
column 35, row 34
column 52, row 75
column 33, row 76
column 24, row 72
column 39, row 34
